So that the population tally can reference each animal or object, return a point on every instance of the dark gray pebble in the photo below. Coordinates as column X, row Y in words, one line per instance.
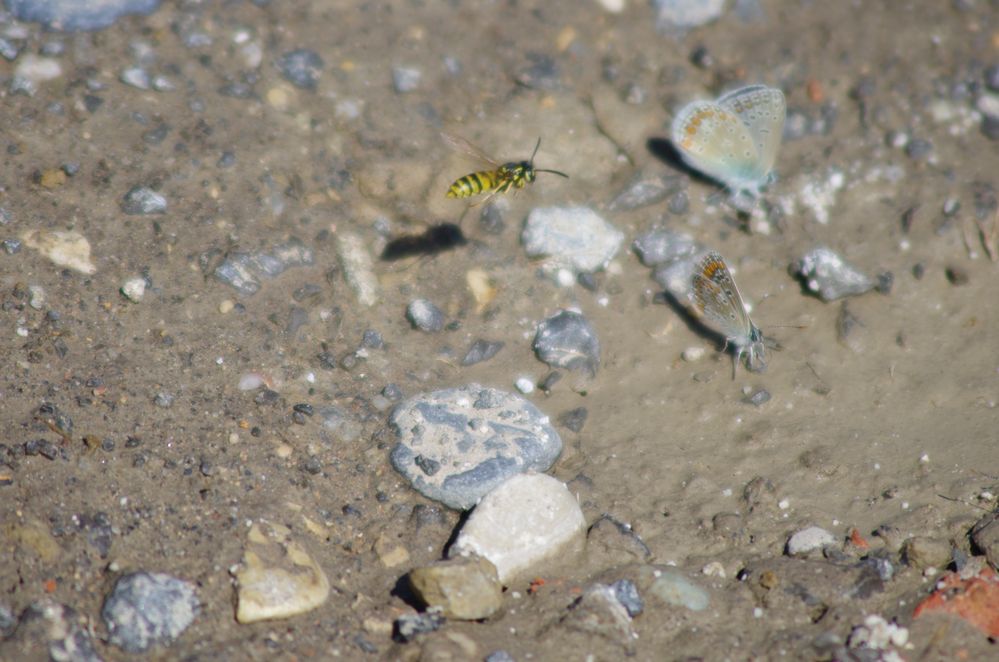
column 992, row 77
column 757, row 398
column 163, row 399
column 406, row 79
column 481, row 350
column 918, row 149
column 11, row 246
column 52, row 628
column 574, row 419
column 568, row 340
column 301, row 67
column 425, row 316
column 541, row 73
column 957, row 275
column 406, row 628
column 627, row 594
column 146, row 609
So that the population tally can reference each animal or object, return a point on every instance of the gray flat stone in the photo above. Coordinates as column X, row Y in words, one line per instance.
column 457, row 444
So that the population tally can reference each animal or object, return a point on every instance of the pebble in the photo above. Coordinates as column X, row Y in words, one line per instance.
column 134, row 289
column 599, row 612
column 49, row 627
column 992, row 77
column 574, row 419
column 66, row 249
column 406, row 628
column 922, row 552
column 499, row 656
column 33, row 69
column 830, row 276
column 672, row 587
column 72, row 16
column 455, row 445
column 985, row 535
column 243, row 271
column 277, row 578
column 136, row 77
column 644, row 190
column 808, row 540
column 358, row 267
column 956, row 275
column 692, row 354
column 627, row 594
column 301, row 67
column 527, row 519
column 465, row 588
column 149, row 608
column 757, row 397
column 680, row 15
column 568, row 340
column 425, row 316
column 660, row 247
column 481, row 350
column 574, row 238
column 141, row 200
column 540, row 73
column 37, row 298
column 406, row 79
column 878, row 634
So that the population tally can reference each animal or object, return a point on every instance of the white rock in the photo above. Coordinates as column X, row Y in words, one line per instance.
column 527, row 519
column 809, row 539
column 38, row 69
column 573, row 237
column 66, row 249
column 277, row 578
column 358, row 268
column 134, row 289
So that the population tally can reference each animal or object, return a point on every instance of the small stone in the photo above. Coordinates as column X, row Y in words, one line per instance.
column 680, row 15
column 51, row 178
column 985, row 535
column 830, row 276
column 66, row 249
column 47, row 630
column 757, row 397
column 674, row 588
column 37, row 298
column 141, row 200
column 599, row 612
column 301, row 67
column 136, row 77
column 358, row 268
column 134, row 289
column 524, row 384
column 425, row 316
column 406, row 79
column 406, row 628
column 644, row 190
column 499, row 656
column 464, row 588
column 568, row 340
column 541, row 73
column 390, row 552
column 627, row 594
column 277, row 578
column 692, row 354
column 575, row 238
column 33, row 69
column 922, row 552
column 527, row 519
column 808, row 540
column 574, row 419
column 163, row 400
column 481, row 350
column 146, row 609
column 918, row 149
column 456, row 445
column 660, row 247
column 77, row 16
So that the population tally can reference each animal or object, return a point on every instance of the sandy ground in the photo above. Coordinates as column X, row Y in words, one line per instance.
column 893, row 424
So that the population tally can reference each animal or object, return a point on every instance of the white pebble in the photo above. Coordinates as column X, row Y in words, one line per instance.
column 692, row 354
column 134, row 289
column 525, row 385
column 808, row 540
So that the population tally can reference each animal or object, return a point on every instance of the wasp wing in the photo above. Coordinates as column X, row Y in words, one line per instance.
column 459, row 144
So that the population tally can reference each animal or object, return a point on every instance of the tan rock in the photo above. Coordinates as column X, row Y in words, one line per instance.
column 466, row 588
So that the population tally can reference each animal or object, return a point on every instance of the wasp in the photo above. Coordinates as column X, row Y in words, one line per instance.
column 503, row 176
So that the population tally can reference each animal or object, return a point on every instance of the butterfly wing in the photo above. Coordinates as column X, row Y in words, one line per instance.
column 762, row 109
column 717, row 299
column 715, row 141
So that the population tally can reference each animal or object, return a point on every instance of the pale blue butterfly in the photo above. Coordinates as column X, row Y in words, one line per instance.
column 733, row 140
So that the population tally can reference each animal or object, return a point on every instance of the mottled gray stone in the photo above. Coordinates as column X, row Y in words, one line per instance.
column 457, row 444
column 830, row 276
column 575, row 238
column 568, row 340
column 145, row 609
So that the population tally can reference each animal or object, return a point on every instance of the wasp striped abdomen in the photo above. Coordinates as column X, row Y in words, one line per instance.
column 473, row 184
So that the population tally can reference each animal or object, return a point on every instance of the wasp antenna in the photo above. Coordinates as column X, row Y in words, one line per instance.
column 535, row 152
column 554, row 172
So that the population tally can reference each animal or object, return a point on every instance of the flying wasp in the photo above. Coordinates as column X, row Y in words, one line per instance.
column 503, row 176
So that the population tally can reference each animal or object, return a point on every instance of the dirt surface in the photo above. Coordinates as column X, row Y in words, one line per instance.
column 882, row 410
